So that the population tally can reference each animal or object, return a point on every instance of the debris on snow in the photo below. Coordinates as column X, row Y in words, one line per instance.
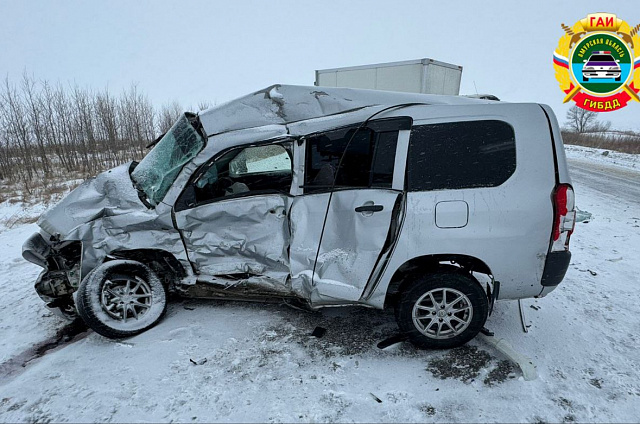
column 500, row 374
column 318, row 332
column 525, row 364
column 583, row 216
column 486, row 331
column 463, row 363
column 428, row 409
column 398, row 338
column 376, row 398
column 198, row 361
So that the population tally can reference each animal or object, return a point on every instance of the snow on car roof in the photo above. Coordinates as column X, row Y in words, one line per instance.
column 283, row 104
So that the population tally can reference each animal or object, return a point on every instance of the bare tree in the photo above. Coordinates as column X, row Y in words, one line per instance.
column 167, row 116
column 601, row 127
column 204, row 105
column 33, row 113
column 583, row 121
column 51, row 134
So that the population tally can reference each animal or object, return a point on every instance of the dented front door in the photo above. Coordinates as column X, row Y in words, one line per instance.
column 233, row 216
column 248, row 235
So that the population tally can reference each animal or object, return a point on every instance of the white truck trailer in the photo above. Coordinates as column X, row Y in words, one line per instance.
column 426, row 76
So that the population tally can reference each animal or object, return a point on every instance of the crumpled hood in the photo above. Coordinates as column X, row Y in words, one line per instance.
column 110, row 193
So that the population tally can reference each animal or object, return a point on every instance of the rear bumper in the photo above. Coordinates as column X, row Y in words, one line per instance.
column 555, row 268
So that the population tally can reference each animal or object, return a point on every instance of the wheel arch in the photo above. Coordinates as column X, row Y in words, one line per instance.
column 419, row 265
column 163, row 263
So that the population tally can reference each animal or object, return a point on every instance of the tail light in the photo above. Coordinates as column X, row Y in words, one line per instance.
column 564, row 217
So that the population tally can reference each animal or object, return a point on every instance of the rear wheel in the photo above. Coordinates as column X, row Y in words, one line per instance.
column 442, row 310
column 121, row 298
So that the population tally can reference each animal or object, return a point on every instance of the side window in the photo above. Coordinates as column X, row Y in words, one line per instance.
column 260, row 160
column 384, row 159
column 252, row 170
column 459, row 155
column 368, row 160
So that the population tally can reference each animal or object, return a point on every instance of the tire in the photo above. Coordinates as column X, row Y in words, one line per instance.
column 585, row 79
column 121, row 299
column 427, row 324
column 619, row 78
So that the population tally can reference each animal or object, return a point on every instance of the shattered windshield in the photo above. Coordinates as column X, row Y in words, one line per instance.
column 159, row 169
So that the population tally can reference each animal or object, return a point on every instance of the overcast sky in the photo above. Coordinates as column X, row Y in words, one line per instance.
column 192, row 51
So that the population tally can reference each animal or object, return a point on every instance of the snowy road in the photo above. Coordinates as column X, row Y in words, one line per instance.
column 258, row 362
column 610, row 181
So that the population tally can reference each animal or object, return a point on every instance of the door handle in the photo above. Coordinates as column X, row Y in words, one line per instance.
column 369, row 208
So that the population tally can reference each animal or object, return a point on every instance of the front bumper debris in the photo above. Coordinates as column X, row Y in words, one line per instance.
column 60, row 277
column 36, row 250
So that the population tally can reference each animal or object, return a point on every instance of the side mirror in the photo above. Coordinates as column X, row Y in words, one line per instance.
column 585, row 60
column 618, row 60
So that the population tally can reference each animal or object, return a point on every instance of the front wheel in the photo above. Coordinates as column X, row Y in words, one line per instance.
column 442, row 310
column 121, row 299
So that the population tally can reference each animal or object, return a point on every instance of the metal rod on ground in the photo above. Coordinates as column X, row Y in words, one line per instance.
column 523, row 318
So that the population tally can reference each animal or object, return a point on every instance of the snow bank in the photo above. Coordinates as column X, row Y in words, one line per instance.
column 603, row 156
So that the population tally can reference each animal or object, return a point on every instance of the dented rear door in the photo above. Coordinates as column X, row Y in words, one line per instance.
column 342, row 223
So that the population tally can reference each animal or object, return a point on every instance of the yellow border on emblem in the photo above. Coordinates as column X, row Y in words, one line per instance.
column 572, row 37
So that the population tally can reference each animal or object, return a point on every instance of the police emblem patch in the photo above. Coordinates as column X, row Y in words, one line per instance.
column 597, row 63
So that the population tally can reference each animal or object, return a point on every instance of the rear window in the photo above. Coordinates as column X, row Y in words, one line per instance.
column 459, row 155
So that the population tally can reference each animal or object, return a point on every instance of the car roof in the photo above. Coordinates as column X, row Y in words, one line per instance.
column 283, row 104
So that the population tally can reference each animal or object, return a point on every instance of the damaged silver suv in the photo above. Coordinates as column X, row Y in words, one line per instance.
column 436, row 206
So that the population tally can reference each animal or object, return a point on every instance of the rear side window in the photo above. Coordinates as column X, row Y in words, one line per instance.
column 457, row 155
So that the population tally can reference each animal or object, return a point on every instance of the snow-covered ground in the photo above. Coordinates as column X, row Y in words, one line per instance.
column 13, row 215
column 603, row 157
column 226, row 361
